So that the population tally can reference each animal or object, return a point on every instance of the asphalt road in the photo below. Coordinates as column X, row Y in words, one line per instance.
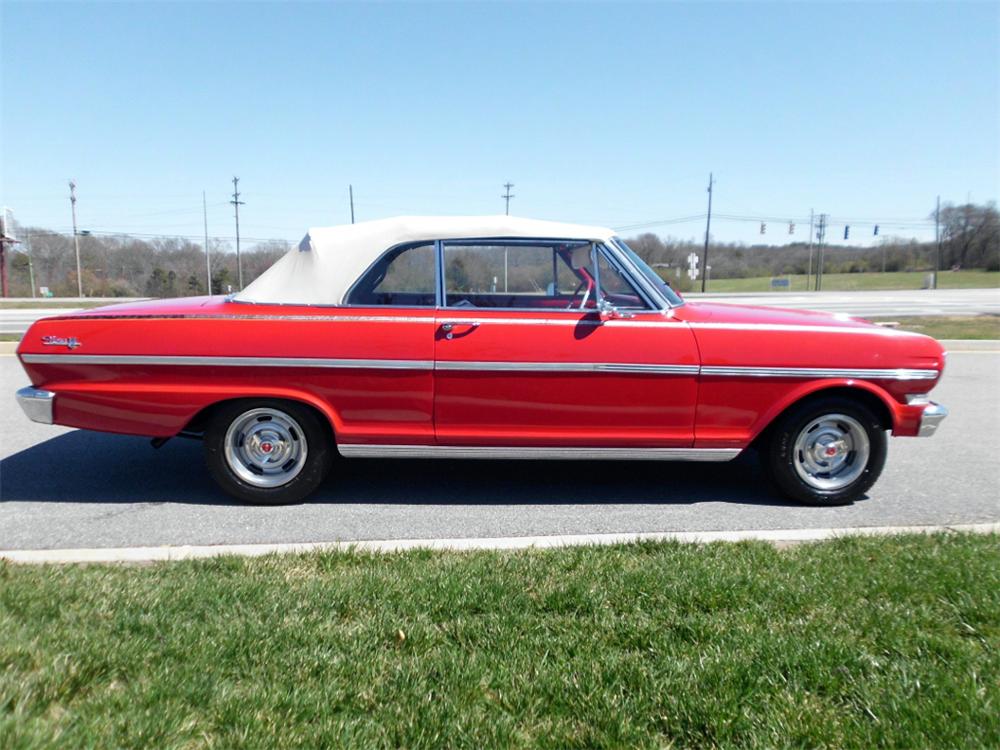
column 901, row 303
column 62, row 488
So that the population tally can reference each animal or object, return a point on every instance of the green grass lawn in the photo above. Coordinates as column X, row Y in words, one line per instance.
column 859, row 642
column 951, row 327
column 849, row 282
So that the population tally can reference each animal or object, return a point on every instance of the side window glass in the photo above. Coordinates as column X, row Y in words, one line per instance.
column 477, row 275
column 403, row 277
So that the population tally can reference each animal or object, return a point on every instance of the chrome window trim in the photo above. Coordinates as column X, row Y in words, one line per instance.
column 614, row 260
column 537, row 453
column 490, row 241
column 665, row 303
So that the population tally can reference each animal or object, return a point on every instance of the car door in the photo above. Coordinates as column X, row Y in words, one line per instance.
column 524, row 357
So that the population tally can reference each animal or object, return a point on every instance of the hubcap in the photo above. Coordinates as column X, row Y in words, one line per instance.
column 831, row 452
column 265, row 447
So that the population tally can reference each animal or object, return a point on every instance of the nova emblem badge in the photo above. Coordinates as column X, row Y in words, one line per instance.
column 69, row 343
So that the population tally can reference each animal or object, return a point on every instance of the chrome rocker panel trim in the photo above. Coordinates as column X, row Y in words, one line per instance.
column 37, row 404
column 542, row 453
column 933, row 415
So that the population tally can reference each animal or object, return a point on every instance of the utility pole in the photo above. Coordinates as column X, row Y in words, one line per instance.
column 5, row 240
column 350, row 190
column 76, row 238
column 507, row 196
column 937, row 242
column 237, row 203
column 821, row 234
column 208, row 256
column 708, row 227
column 810, row 274
column 31, row 265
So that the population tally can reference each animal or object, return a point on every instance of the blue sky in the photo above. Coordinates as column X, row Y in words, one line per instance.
column 601, row 113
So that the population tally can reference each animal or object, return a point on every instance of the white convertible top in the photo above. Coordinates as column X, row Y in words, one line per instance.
column 330, row 259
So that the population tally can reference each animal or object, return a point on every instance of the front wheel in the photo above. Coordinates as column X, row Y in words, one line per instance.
column 267, row 452
column 826, row 452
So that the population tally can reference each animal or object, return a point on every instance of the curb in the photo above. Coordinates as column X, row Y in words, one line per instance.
column 778, row 537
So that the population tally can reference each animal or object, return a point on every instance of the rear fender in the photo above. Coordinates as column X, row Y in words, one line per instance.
column 158, row 411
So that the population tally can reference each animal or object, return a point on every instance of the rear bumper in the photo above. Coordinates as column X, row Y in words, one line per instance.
column 931, row 417
column 38, row 405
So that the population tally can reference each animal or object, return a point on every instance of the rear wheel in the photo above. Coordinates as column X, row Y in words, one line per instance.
column 267, row 452
column 825, row 452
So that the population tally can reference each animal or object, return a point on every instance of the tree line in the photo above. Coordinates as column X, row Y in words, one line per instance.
column 124, row 266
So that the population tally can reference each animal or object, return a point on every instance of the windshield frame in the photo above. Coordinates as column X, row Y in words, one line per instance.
column 643, row 272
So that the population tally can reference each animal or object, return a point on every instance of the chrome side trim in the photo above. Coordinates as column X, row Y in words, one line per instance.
column 194, row 361
column 818, row 372
column 933, row 415
column 413, row 364
column 567, row 367
column 37, row 404
column 543, row 453
column 293, row 318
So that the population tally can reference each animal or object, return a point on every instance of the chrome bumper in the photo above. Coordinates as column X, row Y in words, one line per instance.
column 932, row 416
column 37, row 404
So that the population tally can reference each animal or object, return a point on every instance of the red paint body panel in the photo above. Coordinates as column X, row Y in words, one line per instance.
column 419, row 405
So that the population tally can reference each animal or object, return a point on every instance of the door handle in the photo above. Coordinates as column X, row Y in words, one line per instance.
column 449, row 326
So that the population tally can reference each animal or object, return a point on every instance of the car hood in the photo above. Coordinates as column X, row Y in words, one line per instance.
column 723, row 312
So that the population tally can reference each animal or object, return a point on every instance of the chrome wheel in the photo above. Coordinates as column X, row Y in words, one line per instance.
column 265, row 447
column 831, row 452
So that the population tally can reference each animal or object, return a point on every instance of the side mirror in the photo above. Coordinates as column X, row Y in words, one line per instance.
column 607, row 311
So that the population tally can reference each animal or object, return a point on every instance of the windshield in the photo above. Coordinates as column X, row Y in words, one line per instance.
column 651, row 276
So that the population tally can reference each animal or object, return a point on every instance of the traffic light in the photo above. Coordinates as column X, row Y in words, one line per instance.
column 847, row 231
column 791, row 227
column 763, row 228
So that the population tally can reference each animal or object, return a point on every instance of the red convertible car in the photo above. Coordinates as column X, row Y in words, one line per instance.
column 483, row 337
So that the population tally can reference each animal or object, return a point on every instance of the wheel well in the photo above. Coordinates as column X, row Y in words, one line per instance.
column 869, row 399
column 197, row 425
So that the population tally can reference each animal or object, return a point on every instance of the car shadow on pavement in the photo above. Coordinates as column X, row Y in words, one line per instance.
column 91, row 467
